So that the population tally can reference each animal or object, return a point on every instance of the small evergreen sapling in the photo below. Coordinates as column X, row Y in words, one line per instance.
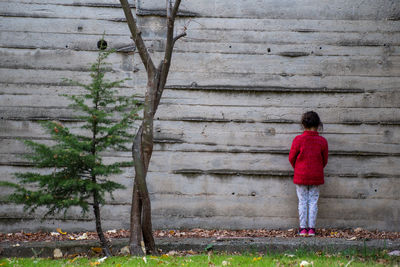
column 76, row 173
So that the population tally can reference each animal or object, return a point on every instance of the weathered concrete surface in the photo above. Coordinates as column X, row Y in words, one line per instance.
column 239, row 83
column 263, row 245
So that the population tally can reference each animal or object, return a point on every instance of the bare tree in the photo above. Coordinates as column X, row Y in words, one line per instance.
column 140, row 224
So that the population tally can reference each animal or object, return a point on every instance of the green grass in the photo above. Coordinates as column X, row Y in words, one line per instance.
column 348, row 258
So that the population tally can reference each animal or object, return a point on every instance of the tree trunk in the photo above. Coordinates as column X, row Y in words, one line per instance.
column 135, row 238
column 99, row 230
column 141, row 226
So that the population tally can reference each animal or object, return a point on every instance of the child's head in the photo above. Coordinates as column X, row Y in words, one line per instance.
column 310, row 120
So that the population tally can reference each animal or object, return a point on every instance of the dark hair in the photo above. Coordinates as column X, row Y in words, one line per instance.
column 310, row 119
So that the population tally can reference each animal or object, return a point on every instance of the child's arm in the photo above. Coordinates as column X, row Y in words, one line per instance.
column 294, row 151
column 325, row 154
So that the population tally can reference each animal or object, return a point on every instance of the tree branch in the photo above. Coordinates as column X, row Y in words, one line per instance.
column 176, row 38
column 175, row 9
column 171, row 15
column 169, row 7
column 158, row 92
column 137, row 38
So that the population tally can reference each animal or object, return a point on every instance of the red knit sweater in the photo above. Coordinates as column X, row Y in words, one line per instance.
column 308, row 156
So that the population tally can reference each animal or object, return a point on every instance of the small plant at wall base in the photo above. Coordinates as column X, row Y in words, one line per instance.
column 74, row 171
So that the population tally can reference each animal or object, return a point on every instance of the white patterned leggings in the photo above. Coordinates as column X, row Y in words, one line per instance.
column 308, row 204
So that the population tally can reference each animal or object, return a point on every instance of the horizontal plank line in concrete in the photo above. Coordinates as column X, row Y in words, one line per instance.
column 252, row 165
column 386, row 41
column 219, row 78
column 228, row 151
column 65, row 33
column 229, row 173
column 154, row 31
column 140, row 84
column 299, row 9
column 229, row 196
column 320, row 65
column 93, row 4
column 229, row 137
column 35, row 217
column 312, row 68
column 60, row 102
column 49, row 16
column 152, row 25
column 204, row 147
column 218, row 97
column 20, row 150
column 232, row 88
column 225, row 49
column 187, row 45
column 233, row 64
column 285, row 23
column 163, row 12
column 27, row 89
column 239, row 10
column 70, row 2
column 59, row 11
column 160, row 183
column 232, row 206
column 169, row 213
column 266, row 173
column 386, row 74
column 65, row 118
column 158, row 25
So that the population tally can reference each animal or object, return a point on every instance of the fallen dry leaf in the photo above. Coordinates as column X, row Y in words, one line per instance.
column 96, row 249
column 84, row 236
column 60, row 231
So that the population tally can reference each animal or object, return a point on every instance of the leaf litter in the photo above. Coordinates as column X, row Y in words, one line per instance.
column 58, row 235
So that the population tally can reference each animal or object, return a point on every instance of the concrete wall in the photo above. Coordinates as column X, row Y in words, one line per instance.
column 238, row 85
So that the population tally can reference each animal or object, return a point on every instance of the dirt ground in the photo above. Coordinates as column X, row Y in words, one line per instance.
column 60, row 235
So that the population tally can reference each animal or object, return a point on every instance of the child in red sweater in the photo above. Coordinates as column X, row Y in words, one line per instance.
column 308, row 156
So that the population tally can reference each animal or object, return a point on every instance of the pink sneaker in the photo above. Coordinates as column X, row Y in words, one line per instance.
column 303, row 232
column 311, row 232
